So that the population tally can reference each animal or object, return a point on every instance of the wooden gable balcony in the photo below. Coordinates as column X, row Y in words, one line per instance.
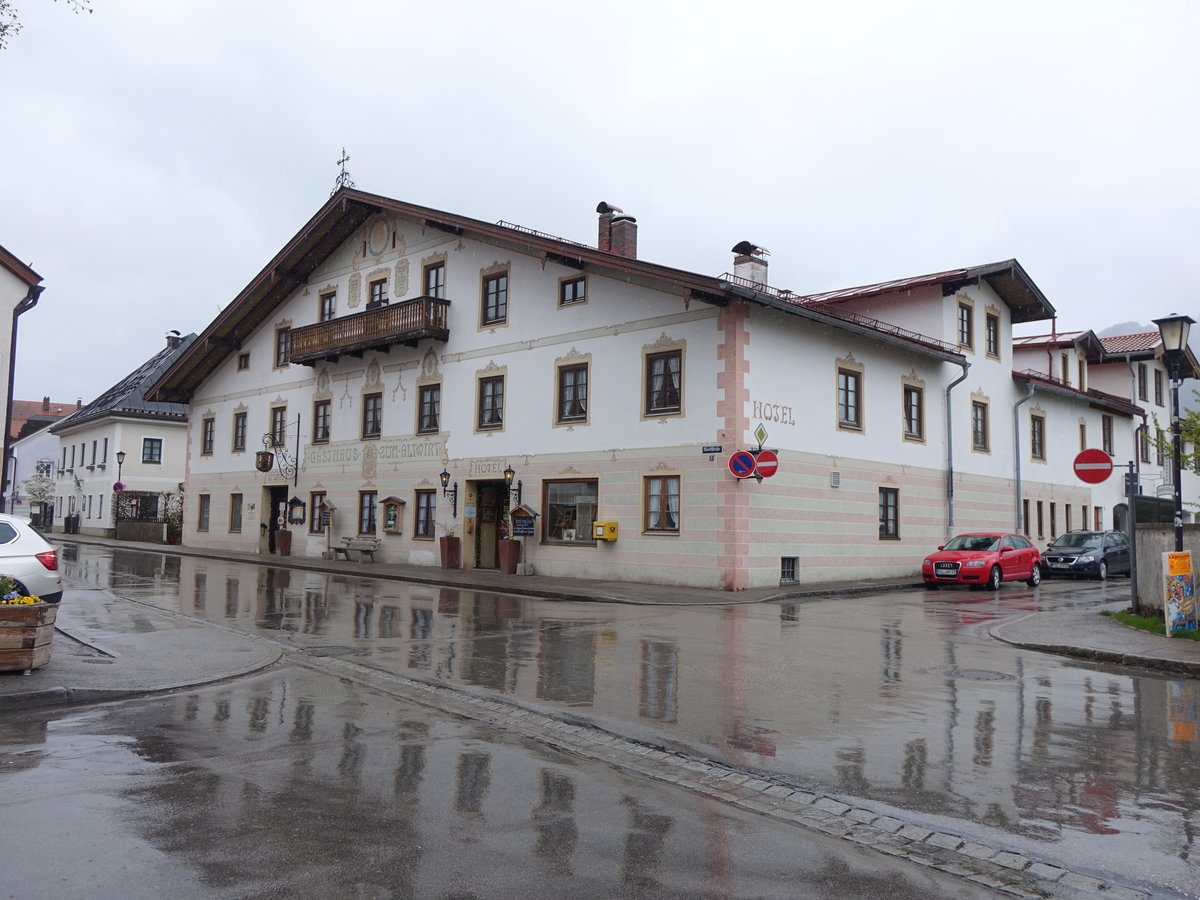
column 374, row 329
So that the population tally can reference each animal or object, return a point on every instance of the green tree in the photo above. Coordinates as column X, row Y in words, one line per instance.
column 10, row 21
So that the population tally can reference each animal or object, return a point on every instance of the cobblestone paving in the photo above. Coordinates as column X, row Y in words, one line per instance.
column 1011, row 873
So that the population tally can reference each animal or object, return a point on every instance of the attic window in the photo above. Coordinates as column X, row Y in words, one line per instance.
column 243, row 362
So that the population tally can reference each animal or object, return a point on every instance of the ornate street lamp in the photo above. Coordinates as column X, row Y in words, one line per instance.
column 509, row 475
column 451, row 492
column 1174, row 330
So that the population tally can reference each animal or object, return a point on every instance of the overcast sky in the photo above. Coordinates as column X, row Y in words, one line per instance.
column 156, row 154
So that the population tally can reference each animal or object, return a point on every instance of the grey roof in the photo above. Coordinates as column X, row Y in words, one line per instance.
column 127, row 398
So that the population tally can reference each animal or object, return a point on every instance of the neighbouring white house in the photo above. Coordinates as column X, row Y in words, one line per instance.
column 20, row 288
column 122, row 437
column 396, row 372
column 36, row 454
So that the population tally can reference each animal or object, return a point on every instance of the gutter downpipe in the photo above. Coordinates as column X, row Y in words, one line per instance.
column 30, row 301
column 950, row 448
column 1031, row 388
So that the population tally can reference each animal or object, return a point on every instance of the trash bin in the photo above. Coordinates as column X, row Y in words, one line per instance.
column 283, row 542
column 71, row 525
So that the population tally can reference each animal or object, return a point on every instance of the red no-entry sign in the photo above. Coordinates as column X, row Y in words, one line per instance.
column 1093, row 466
column 767, row 463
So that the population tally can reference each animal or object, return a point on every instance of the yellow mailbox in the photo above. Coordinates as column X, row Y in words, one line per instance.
column 604, row 531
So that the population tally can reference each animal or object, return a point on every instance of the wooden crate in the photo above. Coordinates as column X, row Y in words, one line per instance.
column 26, row 633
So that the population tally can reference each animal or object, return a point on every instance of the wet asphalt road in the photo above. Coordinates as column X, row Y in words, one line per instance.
column 900, row 699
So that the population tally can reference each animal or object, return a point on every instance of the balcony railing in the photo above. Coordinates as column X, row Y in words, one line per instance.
column 397, row 323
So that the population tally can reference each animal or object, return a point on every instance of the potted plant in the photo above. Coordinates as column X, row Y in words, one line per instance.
column 451, row 545
column 26, row 628
column 173, row 514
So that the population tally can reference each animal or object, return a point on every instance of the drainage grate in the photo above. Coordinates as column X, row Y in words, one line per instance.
column 970, row 674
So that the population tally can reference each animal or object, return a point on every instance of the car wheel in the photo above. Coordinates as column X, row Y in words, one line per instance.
column 1102, row 571
column 994, row 579
column 1035, row 577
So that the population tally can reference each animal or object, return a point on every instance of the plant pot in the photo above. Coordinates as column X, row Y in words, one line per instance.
column 283, row 542
column 510, row 555
column 26, row 633
column 451, row 552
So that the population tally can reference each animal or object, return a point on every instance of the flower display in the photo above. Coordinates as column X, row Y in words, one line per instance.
column 12, row 594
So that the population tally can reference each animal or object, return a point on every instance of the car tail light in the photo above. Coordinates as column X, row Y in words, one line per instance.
column 49, row 559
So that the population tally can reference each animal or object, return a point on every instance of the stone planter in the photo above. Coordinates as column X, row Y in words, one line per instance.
column 26, row 633
column 451, row 552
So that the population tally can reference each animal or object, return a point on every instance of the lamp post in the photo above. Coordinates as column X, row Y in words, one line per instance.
column 117, row 489
column 451, row 492
column 509, row 475
column 1174, row 330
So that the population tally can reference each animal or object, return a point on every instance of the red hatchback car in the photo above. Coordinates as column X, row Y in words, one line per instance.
column 983, row 560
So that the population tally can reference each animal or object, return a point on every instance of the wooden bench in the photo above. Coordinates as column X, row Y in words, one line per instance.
column 366, row 547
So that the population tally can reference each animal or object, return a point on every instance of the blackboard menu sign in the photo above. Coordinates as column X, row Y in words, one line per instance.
column 522, row 526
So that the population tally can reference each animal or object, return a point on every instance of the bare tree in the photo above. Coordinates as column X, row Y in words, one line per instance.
column 10, row 21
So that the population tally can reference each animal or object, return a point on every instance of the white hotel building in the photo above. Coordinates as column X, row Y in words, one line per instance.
column 387, row 343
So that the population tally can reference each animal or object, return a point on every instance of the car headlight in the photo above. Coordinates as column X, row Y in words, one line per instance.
column 975, row 563
column 928, row 562
column 1087, row 559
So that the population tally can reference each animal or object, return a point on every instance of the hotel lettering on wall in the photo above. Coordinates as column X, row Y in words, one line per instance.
column 772, row 412
column 395, row 451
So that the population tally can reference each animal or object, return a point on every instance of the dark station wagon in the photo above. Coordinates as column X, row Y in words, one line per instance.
column 1095, row 554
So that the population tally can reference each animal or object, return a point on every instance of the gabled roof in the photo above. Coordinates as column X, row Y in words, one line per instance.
column 127, row 398
column 1008, row 279
column 1086, row 341
column 1132, row 343
column 18, row 268
column 1093, row 397
column 27, row 410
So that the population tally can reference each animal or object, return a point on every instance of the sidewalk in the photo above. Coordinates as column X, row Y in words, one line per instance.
column 108, row 648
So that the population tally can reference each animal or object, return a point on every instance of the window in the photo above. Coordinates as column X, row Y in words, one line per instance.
column 94, row 443
column 1066, row 517
column 1053, row 520
column 966, row 328
column 1144, row 444
column 283, row 347
column 235, row 513
column 328, row 306
column 429, row 415
column 367, row 505
column 495, row 299
column 1159, row 444
column 208, row 430
column 1082, row 374
column 435, row 280
column 1025, row 517
column 991, row 329
column 279, row 426
column 152, row 450
column 889, row 514
column 1065, row 368
column 914, row 413
column 570, row 510
column 787, row 569
column 322, row 420
column 1041, row 520
column 372, row 422
column 1082, row 438
column 662, row 503
column 1037, row 437
column 378, row 294
column 239, row 432
column 204, row 507
column 663, row 381
column 426, row 514
column 572, row 393
column 1158, row 387
column 318, row 517
column 1106, row 434
column 1083, row 517
column 849, row 398
column 44, row 467
column 243, row 362
column 491, row 403
column 1141, row 381
column 572, row 290
column 979, row 425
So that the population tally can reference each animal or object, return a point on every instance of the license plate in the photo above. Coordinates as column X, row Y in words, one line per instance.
column 1055, row 565
column 945, row 570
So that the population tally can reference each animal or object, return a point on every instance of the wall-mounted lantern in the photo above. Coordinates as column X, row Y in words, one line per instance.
column 297, row 511
column 509, row 475
column 451, row 492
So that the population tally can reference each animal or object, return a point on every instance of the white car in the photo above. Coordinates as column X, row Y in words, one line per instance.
column 27, row 558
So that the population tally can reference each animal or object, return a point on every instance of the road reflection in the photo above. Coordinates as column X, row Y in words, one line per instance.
column 901, row 699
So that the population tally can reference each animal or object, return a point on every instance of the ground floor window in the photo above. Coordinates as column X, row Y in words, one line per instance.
column 367, row 506
column 787, row 569
column 662, row 503
column 889, row 514
column 205, row 507
column 319, row 517
column 426, row 514
column 235, row 513
column 570, row 509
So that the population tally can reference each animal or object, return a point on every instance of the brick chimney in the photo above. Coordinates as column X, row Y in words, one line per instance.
column 749, row 262
column 45, row 404
column 618, row 232
column 174, row 339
